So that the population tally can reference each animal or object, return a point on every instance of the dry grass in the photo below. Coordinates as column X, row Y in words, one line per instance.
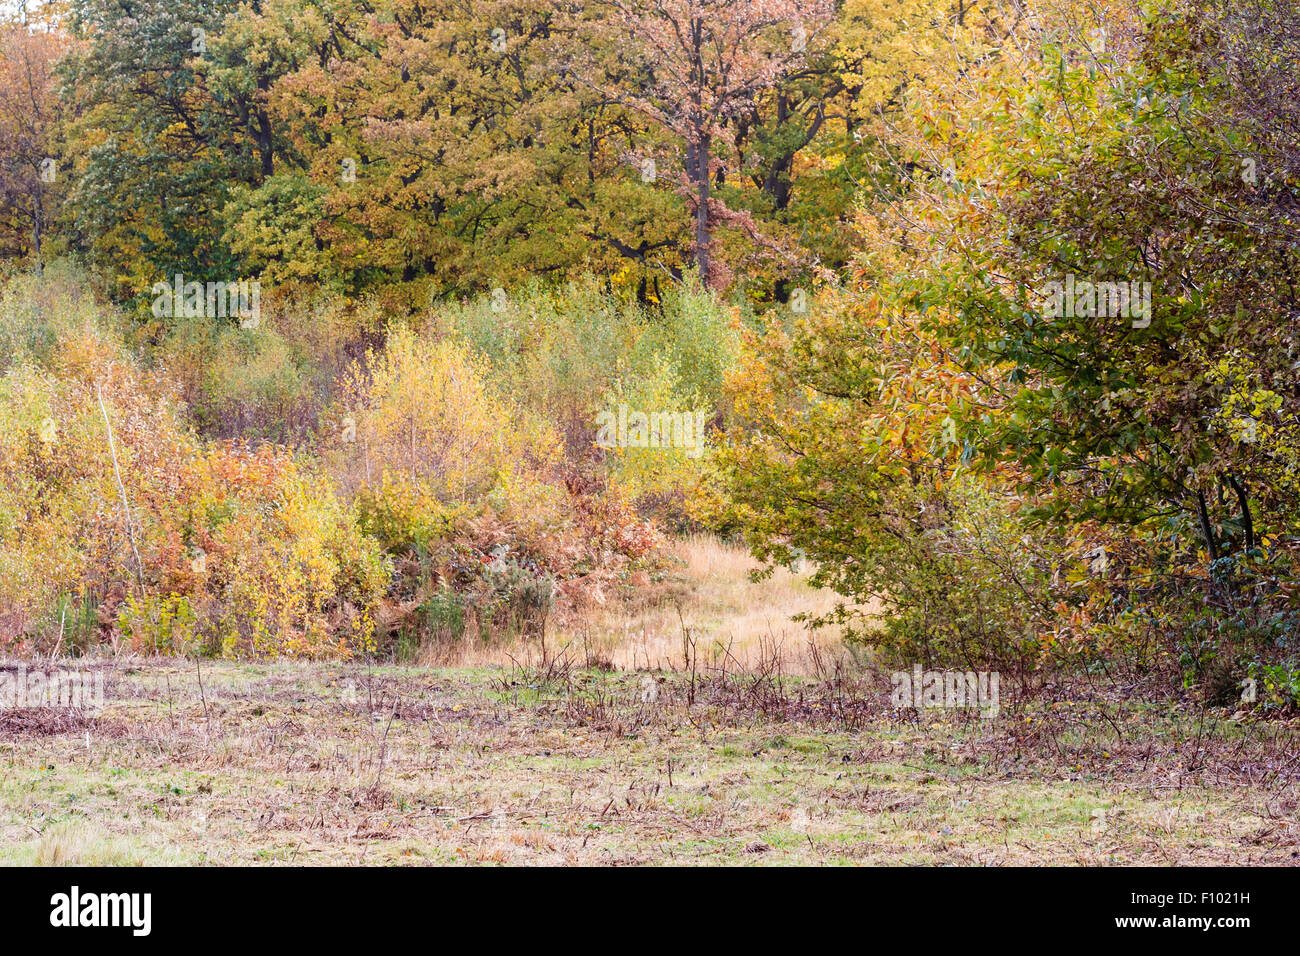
column 673, row 726
column 706, row 613
column 301, row 763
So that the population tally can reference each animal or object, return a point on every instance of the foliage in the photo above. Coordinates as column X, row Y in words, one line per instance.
column 244, row 549
column 1139, row 454
column 30, row 151
column 872, row 252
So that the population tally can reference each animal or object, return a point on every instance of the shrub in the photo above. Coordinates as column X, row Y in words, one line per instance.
column 162, row 624
column 421, row 410
column 405, row 517
column 660, row 480
column 283, row 559
column 244, row 550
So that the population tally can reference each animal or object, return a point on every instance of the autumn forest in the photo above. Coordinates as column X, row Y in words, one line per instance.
column 755, row 389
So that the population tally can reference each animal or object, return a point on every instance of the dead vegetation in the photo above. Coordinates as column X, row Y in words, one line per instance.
column 704, row 606
column 296, row 763
column 728, row 737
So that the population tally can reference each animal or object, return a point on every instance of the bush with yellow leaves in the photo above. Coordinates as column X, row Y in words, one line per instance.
column 421, row 411
column 110, row 506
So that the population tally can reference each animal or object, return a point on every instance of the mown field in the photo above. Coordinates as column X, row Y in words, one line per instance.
column 297, row 764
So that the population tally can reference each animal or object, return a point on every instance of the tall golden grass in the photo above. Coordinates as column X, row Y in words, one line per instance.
column 708, row 615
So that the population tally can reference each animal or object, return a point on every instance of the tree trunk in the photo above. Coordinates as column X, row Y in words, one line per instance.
column 1243, row 501
column 700, row 175
column 265, row 144
column 1207, row 529
column 38, row 218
